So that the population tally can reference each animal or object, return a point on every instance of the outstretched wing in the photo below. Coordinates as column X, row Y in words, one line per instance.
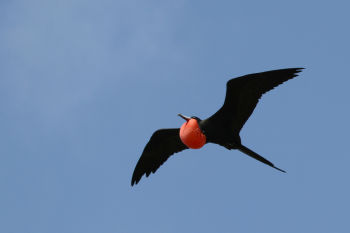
column 243, row 94
column 163, row 144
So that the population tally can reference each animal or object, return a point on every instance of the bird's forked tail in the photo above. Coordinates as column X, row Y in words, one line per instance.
column 254, row 155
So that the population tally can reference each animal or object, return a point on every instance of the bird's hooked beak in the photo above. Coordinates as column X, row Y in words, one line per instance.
column 186, row 118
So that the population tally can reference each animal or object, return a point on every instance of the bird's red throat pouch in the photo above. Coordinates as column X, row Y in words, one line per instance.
column 191, row 135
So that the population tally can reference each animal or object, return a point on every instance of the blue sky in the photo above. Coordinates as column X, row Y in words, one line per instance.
column 84, row 84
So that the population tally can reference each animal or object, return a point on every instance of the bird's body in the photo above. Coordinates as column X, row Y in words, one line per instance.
column 222, row 128
column 218, row 132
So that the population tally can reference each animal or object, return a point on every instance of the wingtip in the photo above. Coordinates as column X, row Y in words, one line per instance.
column 134, row 181
column 296, row 71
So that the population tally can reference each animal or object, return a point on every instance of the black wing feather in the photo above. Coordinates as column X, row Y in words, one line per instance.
column 163, row 144
column 243, row 94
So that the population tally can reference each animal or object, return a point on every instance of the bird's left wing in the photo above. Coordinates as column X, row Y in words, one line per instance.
column 163, row 144
column 243, row 94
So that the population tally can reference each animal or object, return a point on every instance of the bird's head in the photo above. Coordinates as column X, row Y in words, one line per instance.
column 190, row 132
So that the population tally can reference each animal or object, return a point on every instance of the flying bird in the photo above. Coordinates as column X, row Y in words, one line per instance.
column 222, row 128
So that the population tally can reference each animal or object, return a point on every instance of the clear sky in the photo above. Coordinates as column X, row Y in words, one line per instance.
column 84, row 84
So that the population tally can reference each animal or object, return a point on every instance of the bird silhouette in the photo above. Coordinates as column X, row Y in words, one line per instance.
column 222, row 128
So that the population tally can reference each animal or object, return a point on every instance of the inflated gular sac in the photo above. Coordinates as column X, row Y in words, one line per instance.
column 191, row 135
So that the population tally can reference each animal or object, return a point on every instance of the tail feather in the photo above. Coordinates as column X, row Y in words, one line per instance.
column 254, row 155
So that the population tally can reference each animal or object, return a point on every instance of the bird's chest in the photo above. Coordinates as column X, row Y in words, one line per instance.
column 191, row 135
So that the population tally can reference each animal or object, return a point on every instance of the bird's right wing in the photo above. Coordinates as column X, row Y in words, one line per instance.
column 163, row 144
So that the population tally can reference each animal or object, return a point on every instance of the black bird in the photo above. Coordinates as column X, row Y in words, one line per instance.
column 242, row 95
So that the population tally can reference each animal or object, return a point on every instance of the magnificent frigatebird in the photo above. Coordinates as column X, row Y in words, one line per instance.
column 242, row 95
